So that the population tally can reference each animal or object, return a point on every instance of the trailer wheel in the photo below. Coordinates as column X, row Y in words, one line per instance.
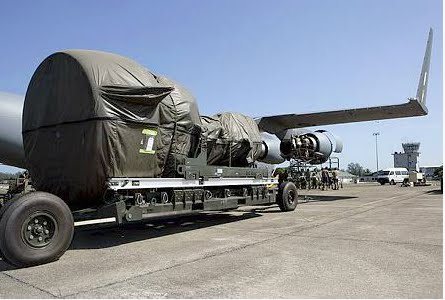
column 36, row 228
column 6, row 204
column 2, row 211
column 287, row 197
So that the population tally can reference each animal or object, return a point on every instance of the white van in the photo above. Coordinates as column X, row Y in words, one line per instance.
column 392, row 175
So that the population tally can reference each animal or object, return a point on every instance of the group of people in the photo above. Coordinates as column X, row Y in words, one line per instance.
column 326, row 179
column 329, row 178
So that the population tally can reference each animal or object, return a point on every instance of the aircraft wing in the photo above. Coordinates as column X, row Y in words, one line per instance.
column 274, row 124
column 414, row 107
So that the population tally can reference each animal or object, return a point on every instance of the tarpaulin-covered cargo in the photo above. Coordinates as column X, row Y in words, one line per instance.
column 90, row 115
column 232, row 139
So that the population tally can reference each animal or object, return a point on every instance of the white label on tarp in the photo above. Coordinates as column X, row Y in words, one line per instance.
column 150, row 143
column 150, row 140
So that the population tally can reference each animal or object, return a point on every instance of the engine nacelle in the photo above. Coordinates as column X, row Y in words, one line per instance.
column 312, row 147
column 271, row 149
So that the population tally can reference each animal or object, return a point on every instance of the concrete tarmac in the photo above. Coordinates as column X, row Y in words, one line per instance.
column 363, row 241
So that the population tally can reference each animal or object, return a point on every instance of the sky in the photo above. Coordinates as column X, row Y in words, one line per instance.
column 255, row 57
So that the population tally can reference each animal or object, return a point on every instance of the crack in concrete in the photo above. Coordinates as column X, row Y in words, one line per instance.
column 29, row 284
column 334, row 237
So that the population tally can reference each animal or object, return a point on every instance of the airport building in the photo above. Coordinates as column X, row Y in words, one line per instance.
column 408, row 159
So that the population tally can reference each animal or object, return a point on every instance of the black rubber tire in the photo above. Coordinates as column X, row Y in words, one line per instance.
column 2, row 210
column 382, row 182
column 6, row 205
column 287, row 197
column 19, row 253
column 392, row 182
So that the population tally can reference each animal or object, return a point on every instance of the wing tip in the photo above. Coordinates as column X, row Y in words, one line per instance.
column 424, row 74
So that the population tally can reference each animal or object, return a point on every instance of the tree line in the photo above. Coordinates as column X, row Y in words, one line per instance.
column 357, row 169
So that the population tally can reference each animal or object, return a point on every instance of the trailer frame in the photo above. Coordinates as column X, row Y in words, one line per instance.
column 37, row 227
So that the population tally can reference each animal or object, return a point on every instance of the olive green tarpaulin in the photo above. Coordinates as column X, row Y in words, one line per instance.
column 91, row 115
column 232, row 139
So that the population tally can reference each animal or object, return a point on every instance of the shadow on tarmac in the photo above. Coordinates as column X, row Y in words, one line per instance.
column 434, row 192
column 321, row 198
column 105, row 237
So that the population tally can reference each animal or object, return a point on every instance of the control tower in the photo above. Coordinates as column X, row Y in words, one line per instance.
column 408, row 159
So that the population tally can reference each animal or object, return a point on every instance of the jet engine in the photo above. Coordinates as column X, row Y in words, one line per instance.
column 271, row 153
column 312, row 147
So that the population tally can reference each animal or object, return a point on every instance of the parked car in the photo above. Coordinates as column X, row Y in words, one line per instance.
column 392, row 176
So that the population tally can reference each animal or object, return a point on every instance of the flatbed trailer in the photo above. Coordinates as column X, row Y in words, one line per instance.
column 147, row 198
column 37, row 227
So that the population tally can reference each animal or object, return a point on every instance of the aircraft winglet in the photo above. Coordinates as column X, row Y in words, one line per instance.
column 424, row 74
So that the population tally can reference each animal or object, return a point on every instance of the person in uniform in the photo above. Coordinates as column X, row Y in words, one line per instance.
column 307, row 176
column 335, row 179
column 314, row 181
column 324, row 178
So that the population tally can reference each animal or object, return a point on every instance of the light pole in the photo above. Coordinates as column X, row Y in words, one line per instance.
column 376, row 134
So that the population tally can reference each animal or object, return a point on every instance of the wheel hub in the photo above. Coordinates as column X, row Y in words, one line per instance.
column 290, row 197
column 39, row 229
